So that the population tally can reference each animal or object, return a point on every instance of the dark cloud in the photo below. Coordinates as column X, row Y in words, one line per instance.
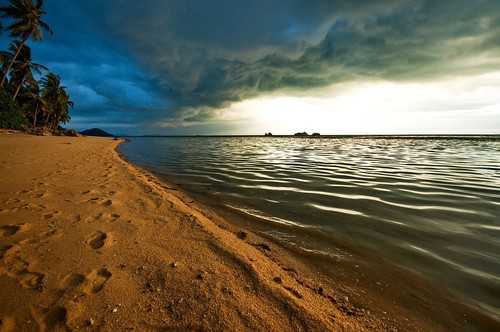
column 152, row 59
column 209, row 53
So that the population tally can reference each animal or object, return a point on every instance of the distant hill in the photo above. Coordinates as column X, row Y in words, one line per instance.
column 96, row 132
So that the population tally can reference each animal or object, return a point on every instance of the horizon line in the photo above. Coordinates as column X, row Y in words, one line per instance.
column 329, row 136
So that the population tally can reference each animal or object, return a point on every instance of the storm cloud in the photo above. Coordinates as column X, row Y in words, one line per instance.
column 146, row 61
column 210, row 53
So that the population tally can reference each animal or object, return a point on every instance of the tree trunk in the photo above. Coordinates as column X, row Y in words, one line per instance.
column 47, row 123
column 12, row 62
column 18, row 89
column 34, row 117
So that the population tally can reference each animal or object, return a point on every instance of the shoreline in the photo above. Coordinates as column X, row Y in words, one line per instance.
column 376, row 288
column 355, row 274
column 352, row 277
column 92, row 241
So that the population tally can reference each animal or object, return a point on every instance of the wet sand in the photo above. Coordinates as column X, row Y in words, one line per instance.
column 88, row 241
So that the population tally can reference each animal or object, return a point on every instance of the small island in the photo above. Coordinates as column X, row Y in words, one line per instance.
column 305, row 134
column 96, row 132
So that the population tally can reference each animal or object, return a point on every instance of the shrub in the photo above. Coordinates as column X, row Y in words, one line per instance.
column 11, row 114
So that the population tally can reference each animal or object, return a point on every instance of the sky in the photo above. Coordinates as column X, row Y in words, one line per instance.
column 247, row 67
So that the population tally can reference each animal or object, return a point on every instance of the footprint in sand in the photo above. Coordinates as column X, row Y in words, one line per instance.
column 97, row 240
column 90, row 192
column 73, row 280
column 107, row 202
column 9, row 230
column 31, row 280
column 41, row 194
column 56, row 317
column 12, row 201
column 51, row 319
column 33, row 206
column 96, row 280
column 24, row 191
column 4, row 249
column 51, row 214
column 45, row 236
column 18, row 269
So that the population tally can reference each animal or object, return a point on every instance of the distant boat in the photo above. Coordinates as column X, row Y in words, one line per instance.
column 268, row 134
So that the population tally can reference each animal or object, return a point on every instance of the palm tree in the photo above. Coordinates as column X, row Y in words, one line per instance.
column 57, row 99
column 34, row 100
column 27, row 23
column 23, row 68
column 5, row 60
column 40, row 105
column 64, row 104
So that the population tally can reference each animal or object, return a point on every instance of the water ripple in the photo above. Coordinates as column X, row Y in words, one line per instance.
column 430, row 205
column 338, row 210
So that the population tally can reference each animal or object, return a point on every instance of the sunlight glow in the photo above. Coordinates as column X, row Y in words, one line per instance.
column 466, row 105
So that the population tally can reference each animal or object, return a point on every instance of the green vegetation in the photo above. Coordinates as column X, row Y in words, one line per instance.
column 31, row 97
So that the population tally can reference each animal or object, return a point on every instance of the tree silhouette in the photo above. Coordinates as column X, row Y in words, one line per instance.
column 23, row 99
column 23, row 68
column 27, row 23
column 57, row 100
column 35, row 100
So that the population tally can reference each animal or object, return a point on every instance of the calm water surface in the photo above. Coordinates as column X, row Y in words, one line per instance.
column 429, row 205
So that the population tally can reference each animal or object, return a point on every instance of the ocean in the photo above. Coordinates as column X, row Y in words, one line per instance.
column 426, row 204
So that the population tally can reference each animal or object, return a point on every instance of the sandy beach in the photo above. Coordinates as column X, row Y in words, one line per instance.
column 88, row 241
